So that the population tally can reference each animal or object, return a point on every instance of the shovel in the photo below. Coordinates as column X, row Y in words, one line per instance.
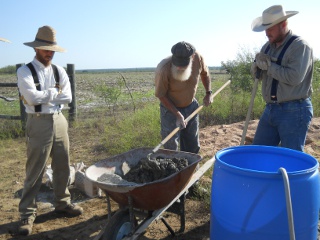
column 253, row 95
column 187, row 119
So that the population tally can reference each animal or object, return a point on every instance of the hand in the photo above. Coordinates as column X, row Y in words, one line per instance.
column 263, row 61
column 57, row 86
column 207, row 100
column 23, row 100
column 180, row 121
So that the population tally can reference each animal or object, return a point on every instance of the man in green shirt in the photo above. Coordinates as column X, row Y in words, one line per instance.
column 287, row 63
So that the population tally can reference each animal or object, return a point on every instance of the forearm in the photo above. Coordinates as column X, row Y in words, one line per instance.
column 206, row 81
column 64, row 96
column 32, row 96
column 169, row 105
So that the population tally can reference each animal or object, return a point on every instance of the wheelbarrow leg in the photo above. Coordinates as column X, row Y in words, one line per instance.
column 132, row 218
column 109, row 206
column 100, row 234
column 168, row 226
column 182, row 213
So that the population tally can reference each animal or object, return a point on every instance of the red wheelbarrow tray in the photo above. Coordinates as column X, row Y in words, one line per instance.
column 146, row 196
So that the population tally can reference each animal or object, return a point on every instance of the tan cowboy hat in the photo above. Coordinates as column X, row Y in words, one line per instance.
column 46, row 40
column 4, row 40
column 270, row 17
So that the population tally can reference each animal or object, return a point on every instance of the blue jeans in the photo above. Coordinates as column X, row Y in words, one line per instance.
column 187, row 138
column 285, row 123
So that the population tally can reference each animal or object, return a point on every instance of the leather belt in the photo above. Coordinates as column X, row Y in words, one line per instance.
column 297, row 100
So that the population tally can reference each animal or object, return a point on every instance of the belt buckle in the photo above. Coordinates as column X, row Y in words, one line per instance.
column 274, row 99
column 38, row 114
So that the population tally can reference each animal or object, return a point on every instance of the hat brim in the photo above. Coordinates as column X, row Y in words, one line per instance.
column 4, row 40
column 44, row 46
column 257, row 25
column 180, row 62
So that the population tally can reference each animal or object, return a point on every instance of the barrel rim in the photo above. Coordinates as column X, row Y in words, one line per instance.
column 267, row 149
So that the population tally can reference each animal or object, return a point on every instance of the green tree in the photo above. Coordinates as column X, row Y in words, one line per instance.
column 241, row 85
column 239, row 70
column 110, row 94
column 10, row 69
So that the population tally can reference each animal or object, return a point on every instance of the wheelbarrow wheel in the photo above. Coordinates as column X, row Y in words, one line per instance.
column 119, row 226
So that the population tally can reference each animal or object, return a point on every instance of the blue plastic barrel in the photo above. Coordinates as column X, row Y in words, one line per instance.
column 248, row 199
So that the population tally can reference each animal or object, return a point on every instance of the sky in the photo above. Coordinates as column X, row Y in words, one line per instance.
column 104, row 34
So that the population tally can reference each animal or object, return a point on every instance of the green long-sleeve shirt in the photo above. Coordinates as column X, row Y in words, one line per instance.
column 295, row 73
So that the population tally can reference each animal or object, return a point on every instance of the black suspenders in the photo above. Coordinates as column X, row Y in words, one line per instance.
column 37, row 108
column 279, row 60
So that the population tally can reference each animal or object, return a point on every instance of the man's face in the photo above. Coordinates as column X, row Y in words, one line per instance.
column 275, row 33
column 44, row 56
column 182, row 73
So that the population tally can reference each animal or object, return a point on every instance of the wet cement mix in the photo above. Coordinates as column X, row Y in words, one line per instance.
column 154, row 169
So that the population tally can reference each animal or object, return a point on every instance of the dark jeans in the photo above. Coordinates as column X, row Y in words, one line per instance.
column 286, row 123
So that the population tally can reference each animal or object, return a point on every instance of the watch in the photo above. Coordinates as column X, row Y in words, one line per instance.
column 209, row 92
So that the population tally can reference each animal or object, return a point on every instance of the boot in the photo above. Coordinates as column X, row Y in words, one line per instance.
column 70, row 209
column 26, row 225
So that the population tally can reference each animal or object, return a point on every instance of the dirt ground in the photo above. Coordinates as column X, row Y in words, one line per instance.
column 49, row 225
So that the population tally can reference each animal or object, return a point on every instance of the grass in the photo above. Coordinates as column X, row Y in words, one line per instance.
column 141, row 129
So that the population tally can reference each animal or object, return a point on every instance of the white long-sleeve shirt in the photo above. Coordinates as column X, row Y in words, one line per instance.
column 48, row 96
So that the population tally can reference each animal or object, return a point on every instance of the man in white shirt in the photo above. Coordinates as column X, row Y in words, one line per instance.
column 44, row 88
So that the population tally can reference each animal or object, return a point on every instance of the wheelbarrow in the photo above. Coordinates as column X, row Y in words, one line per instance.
column 142, row 203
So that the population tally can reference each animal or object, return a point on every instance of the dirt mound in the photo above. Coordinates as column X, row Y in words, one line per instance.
column 215, row 138
column 154, row 169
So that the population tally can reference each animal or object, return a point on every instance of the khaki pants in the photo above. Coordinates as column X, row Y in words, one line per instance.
column 47, row 136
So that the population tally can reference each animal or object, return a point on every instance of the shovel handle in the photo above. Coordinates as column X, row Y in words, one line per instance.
column 221, row 88
column 253, row 95
column 188, row 118
column 177, row 129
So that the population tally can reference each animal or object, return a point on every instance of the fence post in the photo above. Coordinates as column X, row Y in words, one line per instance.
column 23, row 114
column 73, row 104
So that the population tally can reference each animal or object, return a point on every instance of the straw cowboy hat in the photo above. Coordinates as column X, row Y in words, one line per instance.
column 45, row 40
column 4, row 40
column 270, row 17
